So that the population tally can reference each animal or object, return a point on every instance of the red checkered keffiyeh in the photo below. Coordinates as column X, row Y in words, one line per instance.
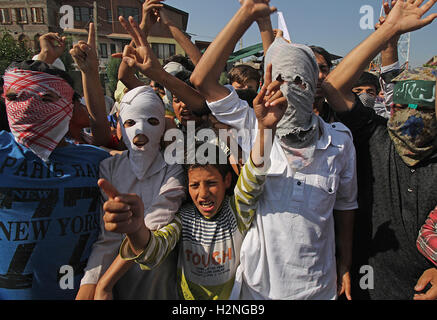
column 37, row 124
column 427, row 239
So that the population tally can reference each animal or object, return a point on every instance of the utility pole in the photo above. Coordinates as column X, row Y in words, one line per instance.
column 241, row 47
column 95, row 25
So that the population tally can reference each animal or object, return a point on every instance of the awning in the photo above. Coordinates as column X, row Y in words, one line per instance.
column 119, row 36
column 255, row 50
column 75, row 31
column 432, row 62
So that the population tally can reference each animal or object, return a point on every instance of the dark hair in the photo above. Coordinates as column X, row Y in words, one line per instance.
column 247, row 94
column 368, row 79
column 76, row 96
column 4, row 123
column 242, row 73
column 325, row 54
column 185, row 77
column 222, row 168
column 184, row 61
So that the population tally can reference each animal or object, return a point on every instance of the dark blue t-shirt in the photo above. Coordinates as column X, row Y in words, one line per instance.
column 49, row 219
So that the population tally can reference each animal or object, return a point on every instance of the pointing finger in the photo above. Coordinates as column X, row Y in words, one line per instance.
column 268, row 77
column 108, row 188
column 92, row 36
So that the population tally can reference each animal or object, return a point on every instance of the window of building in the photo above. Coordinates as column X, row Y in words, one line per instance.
column 84, row 14
column 113, row 48
column 109, row 15
column 163, row 50
column 5, row 16
column 103, row 50
column 21, row 14
column 126, row 12
column 37, row 15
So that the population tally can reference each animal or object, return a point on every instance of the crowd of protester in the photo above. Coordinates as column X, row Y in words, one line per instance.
column 299, row 180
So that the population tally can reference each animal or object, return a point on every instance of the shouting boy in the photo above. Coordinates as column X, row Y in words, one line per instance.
column 211, row 228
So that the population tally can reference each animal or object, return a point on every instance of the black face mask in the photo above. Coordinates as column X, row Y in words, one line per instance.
column 247, row 94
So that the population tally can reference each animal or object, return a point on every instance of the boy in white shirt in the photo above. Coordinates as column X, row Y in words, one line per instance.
column 290, row 250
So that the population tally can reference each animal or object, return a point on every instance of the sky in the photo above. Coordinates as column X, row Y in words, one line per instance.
column 331, row 24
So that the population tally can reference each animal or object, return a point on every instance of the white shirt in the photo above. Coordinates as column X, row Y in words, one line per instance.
column 57, row 63
column 162, row 191
column 289, row 252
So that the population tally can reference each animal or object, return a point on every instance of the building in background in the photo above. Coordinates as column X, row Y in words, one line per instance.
column 112, row 37
column 28, row 20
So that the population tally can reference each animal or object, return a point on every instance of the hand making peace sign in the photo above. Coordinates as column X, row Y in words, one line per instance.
column 270, row 104
column 141, row 55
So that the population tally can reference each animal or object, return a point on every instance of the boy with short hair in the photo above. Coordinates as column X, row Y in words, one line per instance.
column 244, row 76
column 211, row 228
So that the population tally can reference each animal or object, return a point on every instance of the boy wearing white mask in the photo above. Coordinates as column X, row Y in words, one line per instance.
column 140, row 169
column 290, row 250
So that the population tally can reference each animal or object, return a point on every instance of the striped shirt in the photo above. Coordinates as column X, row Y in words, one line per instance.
column 427, row 239
column 209, row 249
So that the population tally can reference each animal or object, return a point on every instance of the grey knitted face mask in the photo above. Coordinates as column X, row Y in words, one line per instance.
column 367, row 100
column 297, row 66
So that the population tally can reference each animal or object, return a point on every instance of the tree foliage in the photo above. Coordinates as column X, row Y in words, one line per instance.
column 11, row 50
column 112, row 74
column 66, row 58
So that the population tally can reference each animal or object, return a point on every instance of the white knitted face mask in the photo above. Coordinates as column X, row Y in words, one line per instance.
column 142, row 109
column 297, row 66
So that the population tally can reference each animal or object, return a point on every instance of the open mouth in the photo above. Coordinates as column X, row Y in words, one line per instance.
column 140, row 140
column 140, row 144
column 207, row 205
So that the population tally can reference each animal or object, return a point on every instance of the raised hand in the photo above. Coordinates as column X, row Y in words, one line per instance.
column 85, row 54
column 270, row 104
column 141, row 56
column 124, row 213
column 258, row 8
column 163, row 17
column 150, row 14
column 407, row 16
column 387, row 8
column 52, row 47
